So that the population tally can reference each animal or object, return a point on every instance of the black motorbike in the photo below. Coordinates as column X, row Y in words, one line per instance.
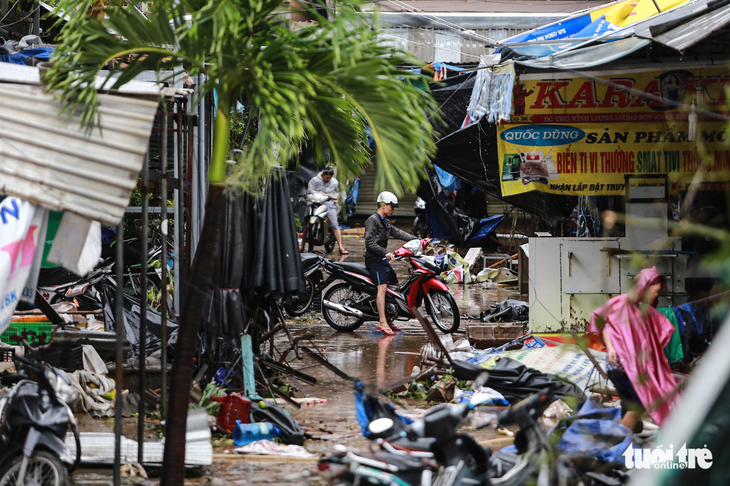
column 312, row 265
column 35, row 419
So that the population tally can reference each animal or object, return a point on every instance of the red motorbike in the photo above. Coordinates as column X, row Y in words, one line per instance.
column 350, row 302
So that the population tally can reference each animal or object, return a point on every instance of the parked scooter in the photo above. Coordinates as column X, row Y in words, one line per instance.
column 317, row 230
column 58, row 284
column 420, row 225
column 431, row 451
column 35, row 419
column 348, row 304
column 312, row 266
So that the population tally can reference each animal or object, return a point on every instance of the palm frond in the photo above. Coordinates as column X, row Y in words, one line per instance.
column 323, row 84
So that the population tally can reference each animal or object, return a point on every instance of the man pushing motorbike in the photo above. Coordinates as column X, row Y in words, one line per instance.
column 378, row 229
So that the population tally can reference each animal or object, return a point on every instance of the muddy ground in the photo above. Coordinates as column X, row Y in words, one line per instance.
column 366, row 353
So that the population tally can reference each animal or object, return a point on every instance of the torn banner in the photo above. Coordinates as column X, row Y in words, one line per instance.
column 22, row 227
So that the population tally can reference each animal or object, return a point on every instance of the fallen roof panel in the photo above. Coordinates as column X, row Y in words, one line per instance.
column 52, row 161
column 588, row 56
column 692, row 32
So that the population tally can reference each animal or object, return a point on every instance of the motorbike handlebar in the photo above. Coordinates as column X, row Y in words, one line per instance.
column 30, row 364
column 12, row 378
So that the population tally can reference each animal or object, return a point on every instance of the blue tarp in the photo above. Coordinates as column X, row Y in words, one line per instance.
column 369, row 408
column 442, row 65
column 483, row 228
column 595, row 432
column 40, row 53
column 448, row 181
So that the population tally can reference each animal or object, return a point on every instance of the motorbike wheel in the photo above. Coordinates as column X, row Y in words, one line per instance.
column 330, row 243
column 301, row 303
column 44, row 469
column 339, row 293
column 445, row 313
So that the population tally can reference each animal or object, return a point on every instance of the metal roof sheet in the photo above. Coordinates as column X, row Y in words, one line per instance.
column 678, row 28
column 692, row 32
column 588, row 56
column 49, row 159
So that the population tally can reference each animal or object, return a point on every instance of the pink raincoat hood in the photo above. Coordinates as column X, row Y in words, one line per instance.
column 639, row 335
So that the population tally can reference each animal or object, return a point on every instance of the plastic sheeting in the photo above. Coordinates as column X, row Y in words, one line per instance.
column 509, row 310
column 595, row 432
column 257, row 256
column 224, row 312
column 453, row 96
column 369, row 407
column 491, row 97
column 132, row 319
column 516, row 381
column 446, row 221
column 271, row 263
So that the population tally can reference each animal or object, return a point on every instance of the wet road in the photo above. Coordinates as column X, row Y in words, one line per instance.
column 366, row 354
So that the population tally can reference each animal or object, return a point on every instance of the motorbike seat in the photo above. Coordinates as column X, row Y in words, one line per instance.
column 425, row 263
column 309, row 259
column 358, row 268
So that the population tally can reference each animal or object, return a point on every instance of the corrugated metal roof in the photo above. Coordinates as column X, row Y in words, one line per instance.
column 678, row 28
column 50, row 160
column 695, row 30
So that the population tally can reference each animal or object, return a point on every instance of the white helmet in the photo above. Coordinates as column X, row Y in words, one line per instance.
column 387, row 197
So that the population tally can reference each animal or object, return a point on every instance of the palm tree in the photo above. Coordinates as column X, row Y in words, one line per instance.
column 323, row 84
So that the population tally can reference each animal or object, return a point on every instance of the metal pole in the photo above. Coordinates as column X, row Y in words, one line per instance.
column 178, row 192
column 163, row 226
column 119, row 326
column 143, row 311
column 37, row 18
column 185, row 256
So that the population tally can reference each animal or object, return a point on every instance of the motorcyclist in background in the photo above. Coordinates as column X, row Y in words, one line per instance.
column 325, row 183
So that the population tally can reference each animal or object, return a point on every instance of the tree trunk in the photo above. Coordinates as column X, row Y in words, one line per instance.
column 173, row 465
column 196, row 287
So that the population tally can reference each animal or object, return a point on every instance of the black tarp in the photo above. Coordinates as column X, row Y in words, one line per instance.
column 453, row 96
column 471, row 154
column 459, row 224
column 132, row 318
column 515, row 381
column 510, row 310
column 223, row 311
column 257, row 258
column 271, row 262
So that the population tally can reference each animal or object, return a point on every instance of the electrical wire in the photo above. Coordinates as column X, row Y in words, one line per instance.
column 445, row 23
column 449, row 98
column 9, row 10
column 19, row 21
column 429, row 45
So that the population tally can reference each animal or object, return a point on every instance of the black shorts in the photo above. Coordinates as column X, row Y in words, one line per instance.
column 381, row 272
column 629, row 399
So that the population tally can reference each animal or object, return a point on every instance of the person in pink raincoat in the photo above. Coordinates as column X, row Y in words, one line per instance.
column 635, row 335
